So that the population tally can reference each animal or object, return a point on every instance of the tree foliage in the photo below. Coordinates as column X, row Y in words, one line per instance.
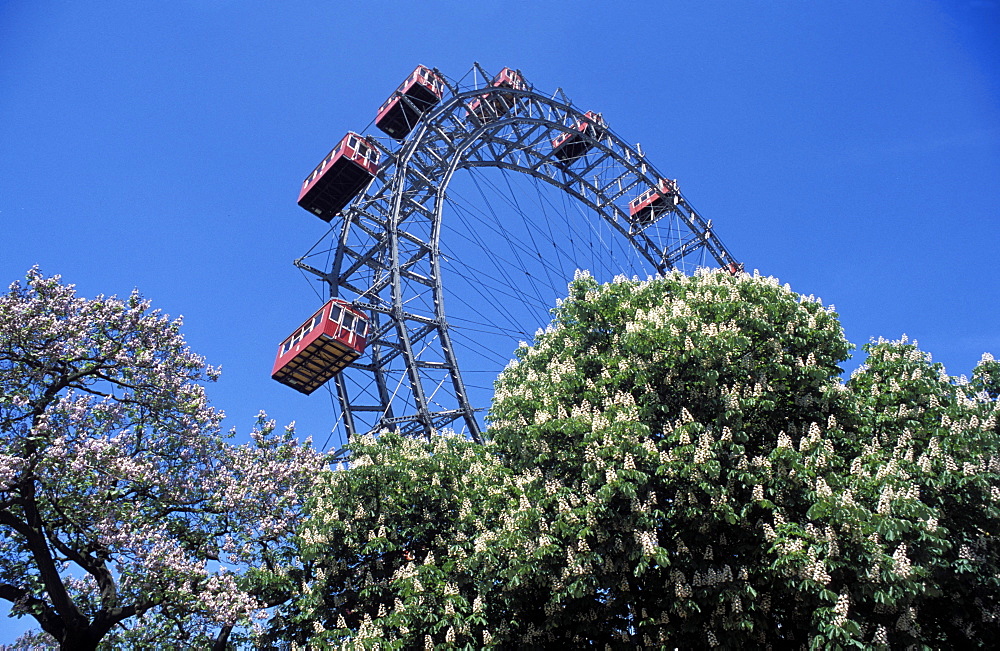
column 124, row 513
column 674, row 462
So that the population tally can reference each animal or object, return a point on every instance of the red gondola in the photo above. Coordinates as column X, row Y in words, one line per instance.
column 654, row 201
column 495, row 105
column 569, row 146
column 399, row 114
column 340, row 176
column 325, row 344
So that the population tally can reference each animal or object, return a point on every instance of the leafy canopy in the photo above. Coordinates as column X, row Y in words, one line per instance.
column 674, row 462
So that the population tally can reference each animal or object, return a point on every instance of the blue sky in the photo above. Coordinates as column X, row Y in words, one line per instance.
column 851, row 149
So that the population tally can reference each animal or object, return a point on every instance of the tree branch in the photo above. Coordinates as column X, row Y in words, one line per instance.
column 40, row 609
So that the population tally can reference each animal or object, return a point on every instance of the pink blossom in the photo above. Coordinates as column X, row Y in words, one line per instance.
column 108, row 436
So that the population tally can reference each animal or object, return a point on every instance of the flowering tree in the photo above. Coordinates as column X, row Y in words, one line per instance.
column 394, row 553
column 123, row 511
column 929, row 475
column 675, row 462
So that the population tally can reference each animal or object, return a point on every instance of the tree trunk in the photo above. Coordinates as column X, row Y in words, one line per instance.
column 80, row 640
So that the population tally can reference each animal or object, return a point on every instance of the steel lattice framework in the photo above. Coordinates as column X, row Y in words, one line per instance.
column 387, row 252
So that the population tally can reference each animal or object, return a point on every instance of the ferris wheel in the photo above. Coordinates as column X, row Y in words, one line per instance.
column 454, row 234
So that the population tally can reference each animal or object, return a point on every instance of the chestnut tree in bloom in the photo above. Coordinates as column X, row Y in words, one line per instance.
column 124, row 514
column 394, row 553
column 675, row 462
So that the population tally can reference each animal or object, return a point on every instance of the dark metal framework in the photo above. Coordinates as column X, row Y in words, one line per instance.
column 388, row 254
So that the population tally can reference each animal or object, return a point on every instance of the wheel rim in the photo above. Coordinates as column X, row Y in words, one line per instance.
column 387, row 252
